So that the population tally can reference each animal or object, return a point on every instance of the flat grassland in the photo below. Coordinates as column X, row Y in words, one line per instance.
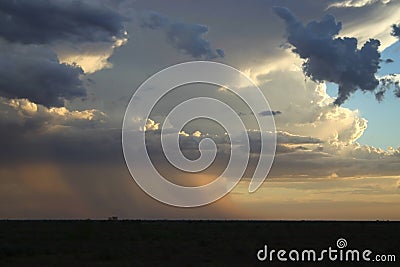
column 185, row 243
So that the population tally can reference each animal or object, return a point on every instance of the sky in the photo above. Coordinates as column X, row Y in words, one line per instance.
column 377, row 112
column 68, row 70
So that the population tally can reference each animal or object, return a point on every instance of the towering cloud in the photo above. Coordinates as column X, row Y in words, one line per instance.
column 186, row 37
column 333, row 59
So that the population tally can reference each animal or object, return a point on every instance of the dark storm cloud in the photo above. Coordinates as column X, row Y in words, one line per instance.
column 270, row 113
column 42, row 22
column 29, row 68
column 35, row 73
column 396, row 30
column 70, row 145
column 330, row 58
column 186, row 37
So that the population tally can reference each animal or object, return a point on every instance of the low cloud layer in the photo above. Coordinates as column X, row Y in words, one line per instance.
column 186, row 37
column 329, row 58
column 296, row 155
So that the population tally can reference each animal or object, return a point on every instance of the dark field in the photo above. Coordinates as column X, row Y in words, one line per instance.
column 184, row 243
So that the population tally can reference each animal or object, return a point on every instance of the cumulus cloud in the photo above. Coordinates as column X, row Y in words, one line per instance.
column 151, row 125
column 35, row 132
column 357, row 151
column 40, row 119
column 316, row 138
column 330, row 58
column 43, row 22
column 197, row 134
column 186, row 37
column 35, row 73
column 307, row 109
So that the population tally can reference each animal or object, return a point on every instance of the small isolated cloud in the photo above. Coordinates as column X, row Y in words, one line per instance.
column 184, row 134
column 270, row 113
column 328, row 58
column 187, row 38
column 151, row 125
column 197, row 134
